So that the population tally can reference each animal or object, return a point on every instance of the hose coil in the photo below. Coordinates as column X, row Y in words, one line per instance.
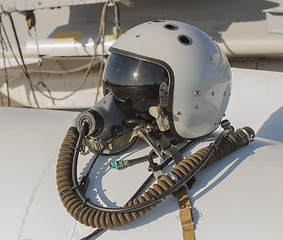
column 106, row 220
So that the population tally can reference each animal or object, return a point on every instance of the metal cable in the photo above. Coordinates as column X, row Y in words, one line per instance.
column 5, row 67
column 37, row 48
column 102, row 54
column 101, row 34
column 43, row 71
column 72, row 70
column 22, row 58
column 11, row 47
column 40, row 64
column 90, row 63
column 117, row 24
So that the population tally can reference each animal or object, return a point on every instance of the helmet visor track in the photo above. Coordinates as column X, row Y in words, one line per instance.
column 134, row 83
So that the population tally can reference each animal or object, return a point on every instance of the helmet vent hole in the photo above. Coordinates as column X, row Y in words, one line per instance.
column 185, row 39
column 171, row 27
column 158, row 20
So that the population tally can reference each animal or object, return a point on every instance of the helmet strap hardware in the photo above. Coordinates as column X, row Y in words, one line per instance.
column 163, row 94
column 144, row 134
column 161, row 119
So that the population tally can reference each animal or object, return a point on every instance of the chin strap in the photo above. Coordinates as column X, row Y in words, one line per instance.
column 185, row 214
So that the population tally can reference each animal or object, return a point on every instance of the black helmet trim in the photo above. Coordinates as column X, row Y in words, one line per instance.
column 171, row 81
column 144, row 58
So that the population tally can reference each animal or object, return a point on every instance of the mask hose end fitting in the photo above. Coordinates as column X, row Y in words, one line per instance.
column 94, row 120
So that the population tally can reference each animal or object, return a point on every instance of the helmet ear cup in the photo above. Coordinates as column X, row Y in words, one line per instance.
column 199, row 74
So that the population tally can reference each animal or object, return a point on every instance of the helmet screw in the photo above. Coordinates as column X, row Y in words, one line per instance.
column 210, row 58
column 138, row 35
column 197, row 93
column 224, row 94
column 196, row 107
column 179, row 113
column 213, row 93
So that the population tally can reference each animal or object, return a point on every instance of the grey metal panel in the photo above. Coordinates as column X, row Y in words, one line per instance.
column 239, row 33
column 274, row 17
column 25, row 5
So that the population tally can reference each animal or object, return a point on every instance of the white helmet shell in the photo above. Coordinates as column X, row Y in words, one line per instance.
column 199, row 72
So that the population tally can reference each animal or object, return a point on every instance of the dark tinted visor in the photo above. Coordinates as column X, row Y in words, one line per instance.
column 134, row 83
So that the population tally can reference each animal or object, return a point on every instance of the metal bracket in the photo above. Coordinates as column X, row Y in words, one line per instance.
column 161, row 119
column 163, row 94
column 143, row 133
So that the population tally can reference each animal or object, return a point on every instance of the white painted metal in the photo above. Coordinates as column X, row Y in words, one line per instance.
column 11, row 62
column 240, row 33
column 274, row 17
column 239, row 197
column 25, row 5
column 52, row 46
column 60, row 86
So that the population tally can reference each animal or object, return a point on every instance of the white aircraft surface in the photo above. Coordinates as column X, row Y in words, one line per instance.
column 239, row 197
column 250, row 32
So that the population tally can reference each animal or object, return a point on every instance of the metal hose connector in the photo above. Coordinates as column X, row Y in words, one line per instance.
column 105, row 220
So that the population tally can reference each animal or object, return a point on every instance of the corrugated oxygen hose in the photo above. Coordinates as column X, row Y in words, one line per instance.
column 105, row 220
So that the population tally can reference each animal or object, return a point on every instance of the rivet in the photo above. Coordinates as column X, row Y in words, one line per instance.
column 224, row 94
column 197, row 93
column 213, row 93
column 196, row 107
column 179, row 113
column 163, row 87
column 138, row 35
column 229, row 94
column 210, row 58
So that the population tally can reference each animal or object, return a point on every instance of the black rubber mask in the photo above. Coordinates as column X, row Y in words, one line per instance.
column 134, row 83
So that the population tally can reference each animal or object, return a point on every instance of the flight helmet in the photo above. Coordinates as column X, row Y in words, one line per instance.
column 173, row 72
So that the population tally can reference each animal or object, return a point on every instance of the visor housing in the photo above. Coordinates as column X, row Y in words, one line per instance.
column 134, row 83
